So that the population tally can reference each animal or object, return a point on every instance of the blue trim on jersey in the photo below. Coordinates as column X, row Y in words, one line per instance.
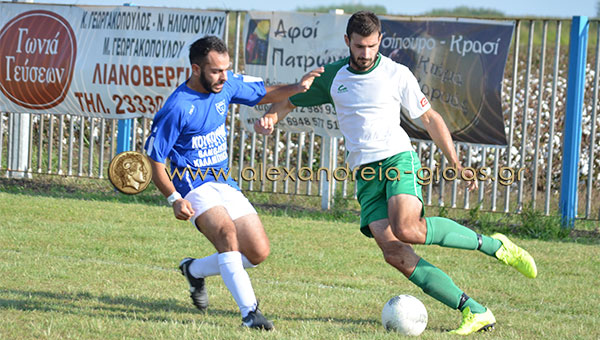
column 190, row 130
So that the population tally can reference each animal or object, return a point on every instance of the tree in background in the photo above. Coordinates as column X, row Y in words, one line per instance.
column 348, row 8
column 464, row 11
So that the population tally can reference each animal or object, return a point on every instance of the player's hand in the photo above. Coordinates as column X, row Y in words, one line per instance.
column 468, row 173
column 308, row 78
column 264, row 125
column 182, row 209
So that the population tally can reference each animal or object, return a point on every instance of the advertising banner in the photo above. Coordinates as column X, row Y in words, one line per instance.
column 459, row 64
column 281, row 47
column 112, row 62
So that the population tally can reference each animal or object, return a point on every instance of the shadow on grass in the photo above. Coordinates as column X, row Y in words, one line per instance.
column 127, row 308
column 84, row 303
column 324, row 319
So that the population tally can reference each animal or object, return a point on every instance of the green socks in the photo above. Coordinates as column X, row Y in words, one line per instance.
column 447, row 233
column 434, row 282
column 440, row 286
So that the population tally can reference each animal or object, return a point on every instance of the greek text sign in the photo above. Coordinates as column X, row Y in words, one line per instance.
column 459, row 65
column 281, row 48
column 113, row 62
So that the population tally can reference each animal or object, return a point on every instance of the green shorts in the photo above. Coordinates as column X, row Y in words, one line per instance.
column 380, row 180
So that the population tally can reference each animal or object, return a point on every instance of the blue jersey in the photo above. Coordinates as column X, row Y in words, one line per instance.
column 190, row 131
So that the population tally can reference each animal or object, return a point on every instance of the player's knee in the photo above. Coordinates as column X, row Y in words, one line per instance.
column 404, row 234
column 407, row 231
column 227, row 236
column 259, row 253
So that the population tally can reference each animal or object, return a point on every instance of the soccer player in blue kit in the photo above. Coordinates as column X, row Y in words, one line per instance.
column 190, row 131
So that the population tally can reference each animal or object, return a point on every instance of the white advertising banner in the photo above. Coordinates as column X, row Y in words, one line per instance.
column 99, row 61
column 281, row 47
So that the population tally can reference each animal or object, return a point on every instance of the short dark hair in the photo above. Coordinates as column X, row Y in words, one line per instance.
column 201, row 47
column 363, row 23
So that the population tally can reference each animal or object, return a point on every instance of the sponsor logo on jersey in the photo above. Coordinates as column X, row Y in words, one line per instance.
column 221, row 107
column 424, row 102
column 342, row 89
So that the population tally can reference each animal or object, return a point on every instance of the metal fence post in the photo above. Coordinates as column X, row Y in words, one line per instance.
column 326, row 152
column 124, row 135
column 18, row 145
column 572, row 131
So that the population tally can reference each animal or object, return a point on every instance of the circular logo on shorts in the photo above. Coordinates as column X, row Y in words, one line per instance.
column 130, row 172
column 38, row 50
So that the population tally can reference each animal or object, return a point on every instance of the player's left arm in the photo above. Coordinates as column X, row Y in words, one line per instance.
column 439, row 133
column 182, row 208
column 277, row 93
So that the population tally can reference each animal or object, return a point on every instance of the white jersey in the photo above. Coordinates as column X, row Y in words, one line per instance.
column 368, row 106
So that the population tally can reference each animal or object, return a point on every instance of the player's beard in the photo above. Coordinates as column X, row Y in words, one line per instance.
column 360, row 66
column 208, row 86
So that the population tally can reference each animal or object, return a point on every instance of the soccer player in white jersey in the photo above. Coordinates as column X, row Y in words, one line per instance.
column 190, row 131
column 368, row 90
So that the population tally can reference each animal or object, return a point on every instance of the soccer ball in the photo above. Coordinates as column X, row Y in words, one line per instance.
column 404, row 314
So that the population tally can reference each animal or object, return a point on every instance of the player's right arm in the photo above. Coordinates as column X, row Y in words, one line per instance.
column 317, row 83
column 165, row 131
column 266, row 124
column 279, row 92
column 182, row 208
column 316, row 93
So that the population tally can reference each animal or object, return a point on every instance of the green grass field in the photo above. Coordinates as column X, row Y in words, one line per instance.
column 105, row 268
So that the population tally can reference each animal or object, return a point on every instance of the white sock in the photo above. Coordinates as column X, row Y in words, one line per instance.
column 237, row 281
column 209, row 266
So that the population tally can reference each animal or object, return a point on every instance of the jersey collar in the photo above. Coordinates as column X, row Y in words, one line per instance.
column 367, row 71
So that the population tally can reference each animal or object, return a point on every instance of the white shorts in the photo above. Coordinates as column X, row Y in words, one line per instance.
column 213, row 194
